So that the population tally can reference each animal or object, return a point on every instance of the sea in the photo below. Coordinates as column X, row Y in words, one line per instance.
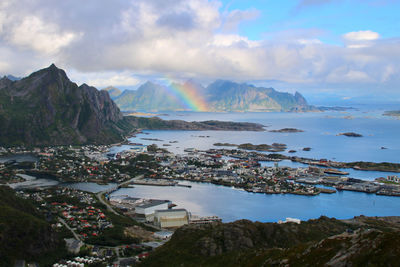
column 380, row 143
column 321, row 131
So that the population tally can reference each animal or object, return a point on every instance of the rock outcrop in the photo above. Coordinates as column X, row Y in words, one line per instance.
column 47, row 108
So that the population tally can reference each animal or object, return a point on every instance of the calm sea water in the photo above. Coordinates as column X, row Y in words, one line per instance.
column 320, row 133
column 232, row 204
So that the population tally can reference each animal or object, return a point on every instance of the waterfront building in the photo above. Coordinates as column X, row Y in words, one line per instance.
column 138, row 148
column 393, row 178
column 171, row 218
column 146, row 210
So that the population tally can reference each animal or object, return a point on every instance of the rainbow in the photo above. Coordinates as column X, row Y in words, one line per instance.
column 188, row 96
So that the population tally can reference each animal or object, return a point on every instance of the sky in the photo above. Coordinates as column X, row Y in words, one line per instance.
column 338, row 49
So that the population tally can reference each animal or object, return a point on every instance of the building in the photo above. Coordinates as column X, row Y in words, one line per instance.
column 393, row 178
column 138, row 148
column 194, row 219
column 146, row 210
column 73, row 245
column 171, row 218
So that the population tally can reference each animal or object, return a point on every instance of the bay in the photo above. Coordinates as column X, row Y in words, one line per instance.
column 232, row 204
column 320, row 133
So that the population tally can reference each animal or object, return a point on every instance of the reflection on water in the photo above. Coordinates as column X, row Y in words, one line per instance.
column 230, row 205
column 89, row 187
column 19, row 158
column 32, row 182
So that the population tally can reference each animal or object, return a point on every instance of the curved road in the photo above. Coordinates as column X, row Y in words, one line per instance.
column 100, row 194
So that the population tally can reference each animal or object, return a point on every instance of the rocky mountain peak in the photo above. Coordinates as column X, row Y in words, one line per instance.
column 47, row 108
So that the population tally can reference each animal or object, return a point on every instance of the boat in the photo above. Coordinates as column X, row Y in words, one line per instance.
column 334, row 171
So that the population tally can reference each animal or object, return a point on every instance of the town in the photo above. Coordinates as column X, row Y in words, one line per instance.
column 121, row 230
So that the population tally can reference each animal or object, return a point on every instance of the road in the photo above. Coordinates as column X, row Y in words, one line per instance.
column 69, row 228
column 100, row 194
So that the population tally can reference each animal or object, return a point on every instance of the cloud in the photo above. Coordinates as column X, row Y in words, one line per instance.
column 32, row 32
column 232, row 19
column 360, row 39
column 104, row 79
column 361, row 36
column 112, row 43
column 177, row 21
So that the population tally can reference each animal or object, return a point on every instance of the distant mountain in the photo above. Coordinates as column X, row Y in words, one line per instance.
column 148, row 97
column 112, row 91
column 230, row 96
column 219, row 96
column 46, row 108
column 12, row 78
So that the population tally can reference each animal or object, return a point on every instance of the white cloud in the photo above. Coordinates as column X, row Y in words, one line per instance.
column 34, row 33
column 309, row 41
column 227, row 40
column 180, row 39
column 104, row 79
column 361, row 36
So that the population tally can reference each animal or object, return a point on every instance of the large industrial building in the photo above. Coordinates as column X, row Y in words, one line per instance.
column 168, row 218
column 147, row 209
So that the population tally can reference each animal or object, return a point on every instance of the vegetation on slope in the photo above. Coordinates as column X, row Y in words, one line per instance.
column 24, row 234
column 361, row 241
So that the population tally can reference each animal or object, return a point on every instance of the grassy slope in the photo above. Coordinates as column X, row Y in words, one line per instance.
column 315, row 242
column 24, row 234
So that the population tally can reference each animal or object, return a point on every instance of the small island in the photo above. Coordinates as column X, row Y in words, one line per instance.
column 152, row 139
column 287, row 130
column 392, row 113
column 155, row 123
column 224, row 144
column 275, row 147
column 351, row 134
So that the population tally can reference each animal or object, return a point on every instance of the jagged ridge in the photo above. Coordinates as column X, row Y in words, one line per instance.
column 47, row 108
column 220, row 96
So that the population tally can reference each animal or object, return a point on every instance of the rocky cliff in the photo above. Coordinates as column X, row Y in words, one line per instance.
column 362, row 241
column 47, row 108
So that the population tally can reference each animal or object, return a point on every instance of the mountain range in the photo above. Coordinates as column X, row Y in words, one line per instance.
column 112, row 91
column 47, row 108
column 220, row 95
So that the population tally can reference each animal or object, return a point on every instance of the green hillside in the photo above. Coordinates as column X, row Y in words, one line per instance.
column 361, row 241
column 24, row 234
